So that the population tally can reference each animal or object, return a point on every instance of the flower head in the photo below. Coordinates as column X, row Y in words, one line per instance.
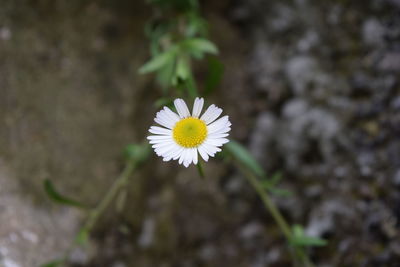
column 185, row 135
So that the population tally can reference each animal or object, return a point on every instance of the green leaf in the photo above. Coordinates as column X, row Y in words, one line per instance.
column 165, row 75
column 301, row 240
column 307, row 241
column 270, row 185
column 57, row 197
column 158, row 61
column 196, row 25
column 298, row 230
column 82, row 238
column 182, row 68
column 241, row 154
column 138, row 152
column 198, row 46
column 244, row 157
column 54, row 263
column 191, row 86
column 280, row 192
column 276, row 177
column 215, row 73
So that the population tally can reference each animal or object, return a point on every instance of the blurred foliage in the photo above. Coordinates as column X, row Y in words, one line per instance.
column 54, row 263
column 245, row 159
column 137, row 152
column 300, row 239
column 175, row 41
column 54, row 195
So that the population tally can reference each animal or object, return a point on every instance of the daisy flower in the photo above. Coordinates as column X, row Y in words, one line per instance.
column 185, row 135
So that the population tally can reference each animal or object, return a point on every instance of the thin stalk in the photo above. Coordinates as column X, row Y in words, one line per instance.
column 276, row 214
column 120, row 182
column 200, row 169
column 95, row 214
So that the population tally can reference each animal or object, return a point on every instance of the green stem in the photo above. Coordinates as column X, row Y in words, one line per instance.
column 270, row 205
column 95, row 214
column 120, row 182
column 200, row 169
column 276, row 214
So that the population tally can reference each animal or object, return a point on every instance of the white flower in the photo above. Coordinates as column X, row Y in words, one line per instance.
column 185, row 134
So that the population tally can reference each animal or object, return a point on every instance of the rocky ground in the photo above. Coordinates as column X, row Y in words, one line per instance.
column 312, row 88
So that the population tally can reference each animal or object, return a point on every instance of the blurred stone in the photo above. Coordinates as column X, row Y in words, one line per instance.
column 295, row 108
column 79, row 256
column 251, row 230
column 373, row 32
column 119, row 264
column 208, row 252
column 262, row 135
column 390, row 62
column 5, row 33
column 309, row 41
column 146, row 237
column 324, row 218
column 7, row 262
column 25, row 225
column 395, row 104
column 283, row 18
column 301, row 71
column 396, row 178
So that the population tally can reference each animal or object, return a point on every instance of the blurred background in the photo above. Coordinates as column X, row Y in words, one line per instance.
column 311, row 87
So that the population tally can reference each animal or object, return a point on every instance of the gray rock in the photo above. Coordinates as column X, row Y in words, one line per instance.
column 309, row 41
column 305, row 125
column 283, row 18
column 146, row 237
column 390, row 62
column 5, row 33
column 373, row 32
column 396, row 178
column 29, row 234
column 262, row 135
column 323, row 219
column 251, row 230
column 301, row 71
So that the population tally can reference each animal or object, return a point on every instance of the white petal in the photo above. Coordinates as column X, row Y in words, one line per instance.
column 170, row 154
column 153, row 142
column 195, row 156
column 218, row 135
column 210, row 149
column 164, row 150
column 160, row 130
column 203, row 153
column 171, row 114
column 219, row 125
column 189, row 157
column 197, row 107
column 163, row 122
column 159, row 137
column 182, row 156
column 223, row 130
column 161, row 144
column 178, row 153
column 216, row 141
column 163, row 117
column 211, row 114
column 181, row 107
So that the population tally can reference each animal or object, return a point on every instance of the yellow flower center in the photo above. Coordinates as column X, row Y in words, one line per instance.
column 190, row 132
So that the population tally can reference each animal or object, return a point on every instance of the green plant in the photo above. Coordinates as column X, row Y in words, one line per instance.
column 178, row 37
